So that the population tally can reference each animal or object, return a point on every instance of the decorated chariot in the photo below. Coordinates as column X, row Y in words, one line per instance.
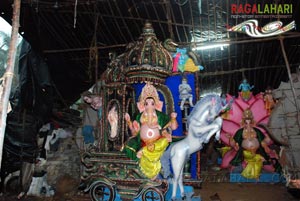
column 139, row 118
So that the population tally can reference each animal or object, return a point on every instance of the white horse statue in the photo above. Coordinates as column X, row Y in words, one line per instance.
column 203, row 122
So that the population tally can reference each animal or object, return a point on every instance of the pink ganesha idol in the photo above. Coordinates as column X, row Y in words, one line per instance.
column 151, row 126
column 244, row 134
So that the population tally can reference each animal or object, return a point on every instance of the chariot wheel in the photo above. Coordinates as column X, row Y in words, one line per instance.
column 152, row 194
column 102, row 192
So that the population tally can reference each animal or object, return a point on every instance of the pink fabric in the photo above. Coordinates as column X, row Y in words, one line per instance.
column 175, row 62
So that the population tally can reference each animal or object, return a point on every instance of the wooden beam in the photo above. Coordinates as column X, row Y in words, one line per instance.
column 9, row 73
column 181, row 44
column 241, row 70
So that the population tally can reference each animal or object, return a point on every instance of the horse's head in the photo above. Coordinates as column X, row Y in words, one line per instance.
column 207, row 109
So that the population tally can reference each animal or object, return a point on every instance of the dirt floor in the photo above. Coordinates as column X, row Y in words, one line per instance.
column 209, row 191
column 215, row 187
column 244, row 192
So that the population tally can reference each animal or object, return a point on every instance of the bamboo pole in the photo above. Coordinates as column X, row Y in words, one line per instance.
column 8, row 75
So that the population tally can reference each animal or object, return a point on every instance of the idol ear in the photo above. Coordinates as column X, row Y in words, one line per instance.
column 141, row 106
column 159, row 106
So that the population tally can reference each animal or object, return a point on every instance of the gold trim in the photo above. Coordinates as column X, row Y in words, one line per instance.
column 132, row 149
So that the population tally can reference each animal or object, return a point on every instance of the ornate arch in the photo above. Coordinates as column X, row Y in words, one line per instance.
column 169, row 101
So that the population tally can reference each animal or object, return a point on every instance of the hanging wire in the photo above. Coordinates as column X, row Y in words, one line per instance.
column 179, row 3
column 75, row 13
column 37, row 6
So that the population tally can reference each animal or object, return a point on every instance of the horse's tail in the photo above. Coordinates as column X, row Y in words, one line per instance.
column 165, row 162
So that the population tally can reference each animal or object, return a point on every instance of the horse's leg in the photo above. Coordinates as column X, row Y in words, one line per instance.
column 174, row 189
column 197, row 129
column 175, row 178
column 177, row 165
column 180, row 183
column 210, row 134
column 214, row 128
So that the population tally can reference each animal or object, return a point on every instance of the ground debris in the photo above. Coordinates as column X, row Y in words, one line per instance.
column 215, row 197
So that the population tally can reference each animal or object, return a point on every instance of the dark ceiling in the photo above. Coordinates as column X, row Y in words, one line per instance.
column 66, row 33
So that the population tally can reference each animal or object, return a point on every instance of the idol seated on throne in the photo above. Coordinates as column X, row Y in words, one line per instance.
column 150, row 136
column 250, row 148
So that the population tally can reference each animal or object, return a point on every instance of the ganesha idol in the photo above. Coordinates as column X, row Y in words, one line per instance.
column 150, row 137
column 248, row 144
